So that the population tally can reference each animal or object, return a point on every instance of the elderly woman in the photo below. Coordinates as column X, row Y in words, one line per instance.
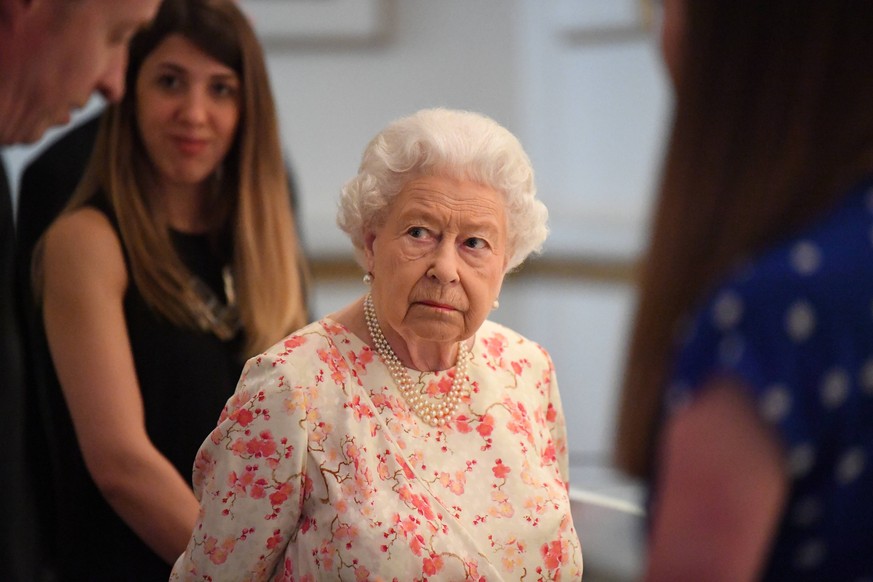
column 404, row 436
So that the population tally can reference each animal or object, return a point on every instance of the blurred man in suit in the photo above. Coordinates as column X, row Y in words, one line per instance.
column 53, row 55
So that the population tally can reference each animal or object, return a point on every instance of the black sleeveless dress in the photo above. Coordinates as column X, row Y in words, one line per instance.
column 185, row 377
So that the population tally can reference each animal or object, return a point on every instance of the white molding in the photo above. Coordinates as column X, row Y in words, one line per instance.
column 597, row 21
column 316, row 20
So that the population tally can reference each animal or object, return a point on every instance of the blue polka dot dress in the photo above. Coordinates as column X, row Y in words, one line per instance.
column 796, row 326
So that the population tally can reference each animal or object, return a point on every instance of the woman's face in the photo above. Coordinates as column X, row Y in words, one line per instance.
column 438, row 260
column 187, row 110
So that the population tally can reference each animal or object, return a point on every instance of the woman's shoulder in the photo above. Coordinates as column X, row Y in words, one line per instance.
column 82, row 221
column 782, row 315
column 308, row 360
column 84, row 238
column 307, row 342
column 84, row 226
column 491, row 328
column 498, row 339
column 828, row 263
column 835, row 247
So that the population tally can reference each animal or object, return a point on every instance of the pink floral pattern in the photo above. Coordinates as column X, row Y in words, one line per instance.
column 318, row 470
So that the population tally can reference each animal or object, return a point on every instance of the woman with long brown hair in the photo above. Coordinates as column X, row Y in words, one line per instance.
column 748, row 395
column 175, row 261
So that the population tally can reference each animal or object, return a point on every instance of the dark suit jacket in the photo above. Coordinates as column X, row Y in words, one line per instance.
column 18, row 545
column 44, row 189
column 47, row 185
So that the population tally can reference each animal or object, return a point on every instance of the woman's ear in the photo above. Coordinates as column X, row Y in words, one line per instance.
column 369, row 255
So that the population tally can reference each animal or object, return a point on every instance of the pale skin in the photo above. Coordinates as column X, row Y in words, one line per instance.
column 188, row 111
column 438, row 261
column 181, row 92
column 720, row 492
column 54, row 54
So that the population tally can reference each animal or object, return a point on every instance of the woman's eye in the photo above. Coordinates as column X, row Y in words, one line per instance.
column 224, row 90
column 476, row 243
column 417, row 232
column 169, row 82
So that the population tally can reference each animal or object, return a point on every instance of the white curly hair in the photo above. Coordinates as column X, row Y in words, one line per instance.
column 453, row 144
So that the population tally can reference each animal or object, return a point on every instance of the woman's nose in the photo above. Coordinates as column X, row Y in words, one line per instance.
column 194, row 107
column 445, row 263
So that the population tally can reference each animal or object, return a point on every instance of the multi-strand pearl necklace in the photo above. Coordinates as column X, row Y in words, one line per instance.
column 433, row 412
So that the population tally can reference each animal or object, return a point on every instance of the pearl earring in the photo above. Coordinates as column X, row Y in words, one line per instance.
column 368, row 278
column 495, row 305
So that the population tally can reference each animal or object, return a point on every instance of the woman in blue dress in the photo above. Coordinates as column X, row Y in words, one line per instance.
column 748, row 396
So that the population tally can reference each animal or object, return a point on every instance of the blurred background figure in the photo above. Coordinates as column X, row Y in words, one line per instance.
column 47, row 184
column 748, row 397
column 53, row 55
column 405, row 435
column 176, row 259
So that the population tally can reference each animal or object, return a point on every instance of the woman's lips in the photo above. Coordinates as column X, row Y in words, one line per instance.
column 436, row 305
column 189, row 146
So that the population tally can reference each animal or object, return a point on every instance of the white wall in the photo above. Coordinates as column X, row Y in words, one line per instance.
column 332, row 101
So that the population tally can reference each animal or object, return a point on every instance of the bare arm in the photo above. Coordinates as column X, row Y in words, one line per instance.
column 85, row 281
column 721, row 491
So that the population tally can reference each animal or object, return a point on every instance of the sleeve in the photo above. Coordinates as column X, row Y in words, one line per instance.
column 556, row 423
column 771, row 334
column 249, row 477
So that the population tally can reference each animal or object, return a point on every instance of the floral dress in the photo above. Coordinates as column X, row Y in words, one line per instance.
column 318, row 470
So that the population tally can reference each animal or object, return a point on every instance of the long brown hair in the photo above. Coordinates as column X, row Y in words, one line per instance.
column 773, row 121
column 251, row 205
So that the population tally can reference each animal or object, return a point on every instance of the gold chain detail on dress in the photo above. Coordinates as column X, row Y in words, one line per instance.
column 433, row 412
